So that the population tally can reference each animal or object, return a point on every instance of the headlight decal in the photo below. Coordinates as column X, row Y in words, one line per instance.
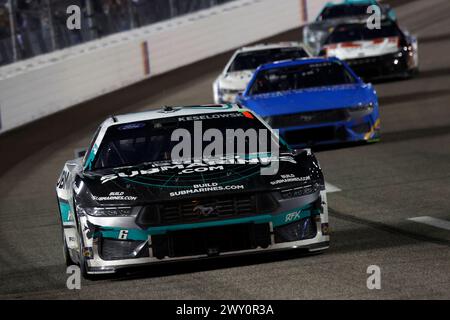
column 361, row 111
column 108, row 212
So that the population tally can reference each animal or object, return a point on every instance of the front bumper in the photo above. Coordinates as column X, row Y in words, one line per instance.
column 331, row 129
column 384, row 66
column 305, row 227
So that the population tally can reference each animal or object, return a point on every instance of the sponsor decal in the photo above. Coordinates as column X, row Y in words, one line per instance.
column 293, row 216
column 132, row 126
column 286, row 178
column 211, row 116
column 63, row 180
column 199, row 166
column 206, row 187
column 115, row 196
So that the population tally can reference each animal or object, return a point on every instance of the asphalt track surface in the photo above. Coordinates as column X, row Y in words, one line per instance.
column 406, row 175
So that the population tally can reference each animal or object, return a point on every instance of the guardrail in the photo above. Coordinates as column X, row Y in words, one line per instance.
column 46, row 84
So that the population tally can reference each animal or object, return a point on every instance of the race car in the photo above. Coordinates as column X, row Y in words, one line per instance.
column 386, row 52
column 333, row 14
column 317, row 101
column 239, row 69
column 130, row 202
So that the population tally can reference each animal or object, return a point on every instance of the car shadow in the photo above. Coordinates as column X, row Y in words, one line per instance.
column 205, row 264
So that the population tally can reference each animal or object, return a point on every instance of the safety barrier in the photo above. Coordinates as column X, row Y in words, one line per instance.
column 49, row 83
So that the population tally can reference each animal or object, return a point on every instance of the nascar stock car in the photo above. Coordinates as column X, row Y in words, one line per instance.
column 333, row 14
column 314, row 101
column 374, row 53
column 239, row 69
column 127, row 202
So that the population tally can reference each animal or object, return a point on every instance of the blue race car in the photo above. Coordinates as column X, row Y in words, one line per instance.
column 314, row 102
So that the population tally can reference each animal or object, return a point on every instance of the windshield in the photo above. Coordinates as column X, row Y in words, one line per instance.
column 340, row 11
column 253, row 59
column 301, row 77
column 150, row 141
column 359, row 32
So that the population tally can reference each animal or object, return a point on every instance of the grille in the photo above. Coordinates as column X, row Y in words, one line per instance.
column 205, row 209
column 361, row 128
column 310, row 136
column 307, row 118
column 211, row 241
column 112, row 249
column 362, row 61
column 376, row 66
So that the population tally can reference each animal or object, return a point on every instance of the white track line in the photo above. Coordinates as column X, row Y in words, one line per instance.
column 331, row 188
column 435, row 222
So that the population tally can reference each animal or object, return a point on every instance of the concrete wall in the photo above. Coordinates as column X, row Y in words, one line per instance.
column 49, row 83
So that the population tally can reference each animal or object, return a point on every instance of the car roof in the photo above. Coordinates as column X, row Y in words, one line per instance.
column 351, row 2
column 171, row 111
column 268, row 46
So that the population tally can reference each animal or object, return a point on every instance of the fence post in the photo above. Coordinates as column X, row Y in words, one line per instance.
column 12, row 26
column 52, row 28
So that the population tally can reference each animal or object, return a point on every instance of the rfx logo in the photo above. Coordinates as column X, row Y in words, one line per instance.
column 74, row 280
column 74, row 20
column 293, row 216
column 374, row 280
column 374, row 20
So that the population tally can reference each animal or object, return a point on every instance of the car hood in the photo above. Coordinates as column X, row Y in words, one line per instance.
column 235, row 80
column 170, row 181
column 314, row 99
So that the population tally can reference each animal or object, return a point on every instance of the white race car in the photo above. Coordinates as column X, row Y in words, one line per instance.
column 237, row 73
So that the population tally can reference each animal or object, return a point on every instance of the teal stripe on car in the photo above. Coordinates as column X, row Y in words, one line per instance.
column 277, row 220
column 91, row 157
column 64, row 209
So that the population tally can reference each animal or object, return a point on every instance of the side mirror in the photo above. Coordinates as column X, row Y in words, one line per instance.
column 79, row 153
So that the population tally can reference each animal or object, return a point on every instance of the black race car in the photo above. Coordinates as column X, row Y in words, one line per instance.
column 374, row 53
column 130, row 202
column 333, row 14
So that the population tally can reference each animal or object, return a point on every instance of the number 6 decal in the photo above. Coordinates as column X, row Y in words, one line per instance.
column 123, row 234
